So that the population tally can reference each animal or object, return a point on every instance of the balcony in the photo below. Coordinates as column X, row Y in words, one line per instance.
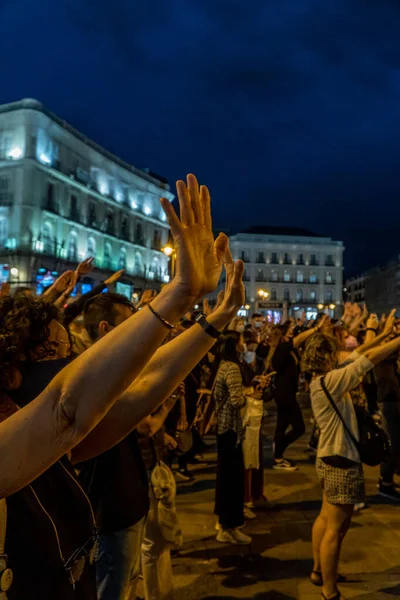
column 314, row 282
column 245, row 259
column 314, row 263
column 260, row 260
column 51, row 206
column 332, row 282
column 261, row 279
column 246, row 278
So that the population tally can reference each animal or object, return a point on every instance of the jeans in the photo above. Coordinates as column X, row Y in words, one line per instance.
column 229, row 490
column 118, row 563
column 289, row 415
column 391, row 424
column 156, row 558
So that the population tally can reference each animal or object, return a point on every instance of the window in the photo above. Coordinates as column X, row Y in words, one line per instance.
column 328, row 277
column 300, row 259
column 125, row 228
column 110, row 223
column 72, row 247
column 260, row 257
column 138, row 264
column 286, row 276
column 299, row 296
column 91, row 247
column 122, row 258
column 74, row 208
column 328, row 296
column 313, row 278
column 273, row 295
column 92, row 216
column 274, row 258
column 47, row 238
column 155, row 268
column 313, row 296
column 286, row 295
column 3, row 230
column 286, row 259
column 313, row 259
column 274, row 276
column 244, row 256
column 5, row 194
column 300, row 277
column 139, row 234
column 107, row 256
column 329, row 260
column 5, row 143
column 157, row 240
column 260, row 275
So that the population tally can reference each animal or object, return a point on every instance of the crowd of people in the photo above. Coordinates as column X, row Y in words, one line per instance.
column 104, row 404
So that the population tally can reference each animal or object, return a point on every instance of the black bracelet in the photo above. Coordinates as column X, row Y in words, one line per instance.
column 160, row 318
column 209, row 329
column 371, row 329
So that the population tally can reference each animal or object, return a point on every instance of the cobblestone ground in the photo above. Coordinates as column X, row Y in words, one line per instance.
column 277, row 564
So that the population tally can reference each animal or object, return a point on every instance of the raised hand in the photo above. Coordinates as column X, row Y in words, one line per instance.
column 114, row 277
column 207, row 310
column 234, row 295
column 147, row 297
column 63, row 282
column 85, row 267
column 199, row 257
column 373, row 322
column 389, row 324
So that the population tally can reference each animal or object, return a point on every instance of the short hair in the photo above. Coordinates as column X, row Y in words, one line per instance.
column 249, row 337
column 256, row 315
column 23, row 291
column 319, row 348
column 103, row 308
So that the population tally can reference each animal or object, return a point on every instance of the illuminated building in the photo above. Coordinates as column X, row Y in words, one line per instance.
column 298, row 269
column 64, row 198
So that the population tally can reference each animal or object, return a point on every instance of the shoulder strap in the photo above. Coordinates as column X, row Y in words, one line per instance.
column 3, row 524
column 337, row 411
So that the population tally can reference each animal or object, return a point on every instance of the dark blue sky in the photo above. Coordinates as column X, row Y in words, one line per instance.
column 288, row 109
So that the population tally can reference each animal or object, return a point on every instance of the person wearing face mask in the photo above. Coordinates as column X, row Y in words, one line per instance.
column 253, row 368
column 257, row 323
column 230, row 400
column 237, row 324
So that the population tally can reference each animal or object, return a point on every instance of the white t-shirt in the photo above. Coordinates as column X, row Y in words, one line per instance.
column 334, row 439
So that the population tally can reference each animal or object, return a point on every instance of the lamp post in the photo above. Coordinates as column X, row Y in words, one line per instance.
column 170, row 252
column 263, row 296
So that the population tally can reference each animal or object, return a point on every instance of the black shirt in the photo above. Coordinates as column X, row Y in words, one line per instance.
column 118, row 486
column 286, row 363
column 31, row 542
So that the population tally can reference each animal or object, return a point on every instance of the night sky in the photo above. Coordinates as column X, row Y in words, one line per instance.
column 288, row 109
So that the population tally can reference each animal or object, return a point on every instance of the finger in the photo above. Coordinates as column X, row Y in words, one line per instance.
column 206, row 206
column 220, row 246
column 194, row 196
column 186, row 211
column 220, row 299
column 172, row 218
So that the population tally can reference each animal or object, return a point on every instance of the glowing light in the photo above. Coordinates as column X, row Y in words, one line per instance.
column 320, row 306
column 263, row 294
column 14, row 272
column 168, row 250
column 103, row 188
column 163, row 216
column 134, row 205
column 332, row 306
column 45, row 159
column 39, row 246
column 247, row 306
column 15, row 153
column 166, row 278
column 196, row 307
column 135, row 295
column 150, row 275
column 147, row 210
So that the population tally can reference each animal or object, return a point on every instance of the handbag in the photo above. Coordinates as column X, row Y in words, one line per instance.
column 374, row 444
column 184, row 440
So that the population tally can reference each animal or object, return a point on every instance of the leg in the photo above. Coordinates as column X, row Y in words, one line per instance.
column 338, row 518
column 391, row 423
column 156, row 558
column 318, row 533
column 296, row 421
column 229, row 500
column 257, row 480
column 248, row 477
column 118, row 563
column 280, row 432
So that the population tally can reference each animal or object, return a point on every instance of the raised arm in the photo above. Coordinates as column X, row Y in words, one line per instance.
column 169, row 366
column 80, row 395
column 305, row 335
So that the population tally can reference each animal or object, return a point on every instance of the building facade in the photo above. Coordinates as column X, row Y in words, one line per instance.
column 289, row 270
column 355, row 289
column 382, row 288
column 64, row 198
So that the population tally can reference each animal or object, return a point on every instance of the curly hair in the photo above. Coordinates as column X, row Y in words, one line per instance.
column 24, row 327
column 316, row 358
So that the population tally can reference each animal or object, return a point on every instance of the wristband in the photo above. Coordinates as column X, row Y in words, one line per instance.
column 209, row 329
column 371, row 329
column 160, row 318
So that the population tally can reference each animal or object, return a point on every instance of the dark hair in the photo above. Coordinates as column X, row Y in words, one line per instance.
column 227, row 346
column 249, row 337
column 23, row 291
column 24, row 327
column 256, row 315
column 103, row 308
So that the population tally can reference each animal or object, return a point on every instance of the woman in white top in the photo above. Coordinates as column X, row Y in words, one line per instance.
column 338, row 461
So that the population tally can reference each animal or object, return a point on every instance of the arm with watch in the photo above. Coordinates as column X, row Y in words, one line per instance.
column 305, row 335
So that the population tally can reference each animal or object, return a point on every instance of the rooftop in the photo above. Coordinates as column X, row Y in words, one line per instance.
column 280, row 230
column 32, row 104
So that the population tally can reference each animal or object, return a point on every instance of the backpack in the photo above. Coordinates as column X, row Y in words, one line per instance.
column 374, row 445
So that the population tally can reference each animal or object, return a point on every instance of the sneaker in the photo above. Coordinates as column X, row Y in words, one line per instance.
column 225, row 537
column 389, row 491
column 248, row 514
column 249, row 504
column 218, row 526
column 359, row 506
column 263, row 504
column 241, row 538
column 183, row 475
column 284, row 465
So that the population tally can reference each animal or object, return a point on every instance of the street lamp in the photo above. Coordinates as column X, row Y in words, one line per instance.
column 332, row 306
column 14, row 272
column 320, row 306
column 170, row 252
column 263, row 294
column 247, row 306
